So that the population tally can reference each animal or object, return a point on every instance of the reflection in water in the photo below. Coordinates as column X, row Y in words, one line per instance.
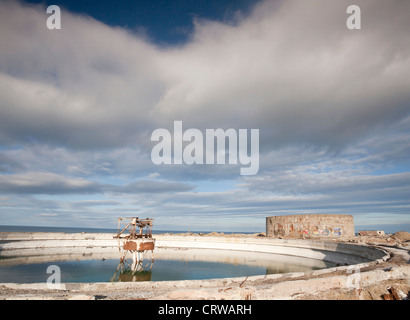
column 132, row 276
column 134, row 239
column 137, row 270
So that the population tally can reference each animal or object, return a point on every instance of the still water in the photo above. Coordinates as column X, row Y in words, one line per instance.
column 103, row 271
column 168, row 265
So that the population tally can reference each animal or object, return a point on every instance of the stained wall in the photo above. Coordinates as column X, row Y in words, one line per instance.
column 310, row 226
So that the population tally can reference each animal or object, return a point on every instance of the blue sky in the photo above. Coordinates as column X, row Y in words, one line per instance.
column 163, row 22
column 78, row 107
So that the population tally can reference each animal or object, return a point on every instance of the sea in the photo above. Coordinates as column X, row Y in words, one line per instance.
column 4, row 228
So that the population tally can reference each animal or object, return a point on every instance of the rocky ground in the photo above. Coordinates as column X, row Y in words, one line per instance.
column 398, row 245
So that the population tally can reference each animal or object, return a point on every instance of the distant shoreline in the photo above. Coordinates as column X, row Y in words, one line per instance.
column 6, row 228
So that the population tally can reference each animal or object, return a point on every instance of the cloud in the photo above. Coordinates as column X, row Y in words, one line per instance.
column 153, row 175
column 45, row 183
column 388, row 187
column 93, row 203
column 151, row 186
column 75, row 163
column 8, row 165
column 51, row 183
column 293, row 71
column 48, row 214
column 88, row 85
column 78, row 106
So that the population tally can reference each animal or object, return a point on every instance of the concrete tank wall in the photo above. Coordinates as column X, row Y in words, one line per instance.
column 31, row 247
column 310, row 226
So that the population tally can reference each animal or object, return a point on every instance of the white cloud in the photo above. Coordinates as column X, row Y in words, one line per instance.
column 45, row 183
column 48, row 214
column 78, row 105
column 292, row 70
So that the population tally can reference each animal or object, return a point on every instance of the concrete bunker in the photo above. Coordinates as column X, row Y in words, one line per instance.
column 310, row 226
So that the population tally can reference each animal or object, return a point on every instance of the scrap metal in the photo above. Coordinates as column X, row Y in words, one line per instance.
column 135, row 238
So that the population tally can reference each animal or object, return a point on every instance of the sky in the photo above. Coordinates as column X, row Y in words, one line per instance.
column 78, row 106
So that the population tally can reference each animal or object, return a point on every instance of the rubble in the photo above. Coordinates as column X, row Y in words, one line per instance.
column 401, row 236
column 373, row 233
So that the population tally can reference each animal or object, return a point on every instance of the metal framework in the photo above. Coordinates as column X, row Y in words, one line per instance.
column 135, row 238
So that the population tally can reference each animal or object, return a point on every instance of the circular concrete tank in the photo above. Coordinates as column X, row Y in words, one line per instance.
column 351, row 258
column 310, row 226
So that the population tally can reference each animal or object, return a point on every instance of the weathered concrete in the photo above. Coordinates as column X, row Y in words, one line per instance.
column 341, row 253
column 371, row 265
column 310, row 226
column 373, row 233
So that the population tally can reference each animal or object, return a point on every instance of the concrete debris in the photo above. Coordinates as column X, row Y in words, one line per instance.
column 402, row 236
column 373, row 233
column 81, row 297
column 394, row 294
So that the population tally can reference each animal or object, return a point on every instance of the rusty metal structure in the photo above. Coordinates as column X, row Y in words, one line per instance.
column 135, row 240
